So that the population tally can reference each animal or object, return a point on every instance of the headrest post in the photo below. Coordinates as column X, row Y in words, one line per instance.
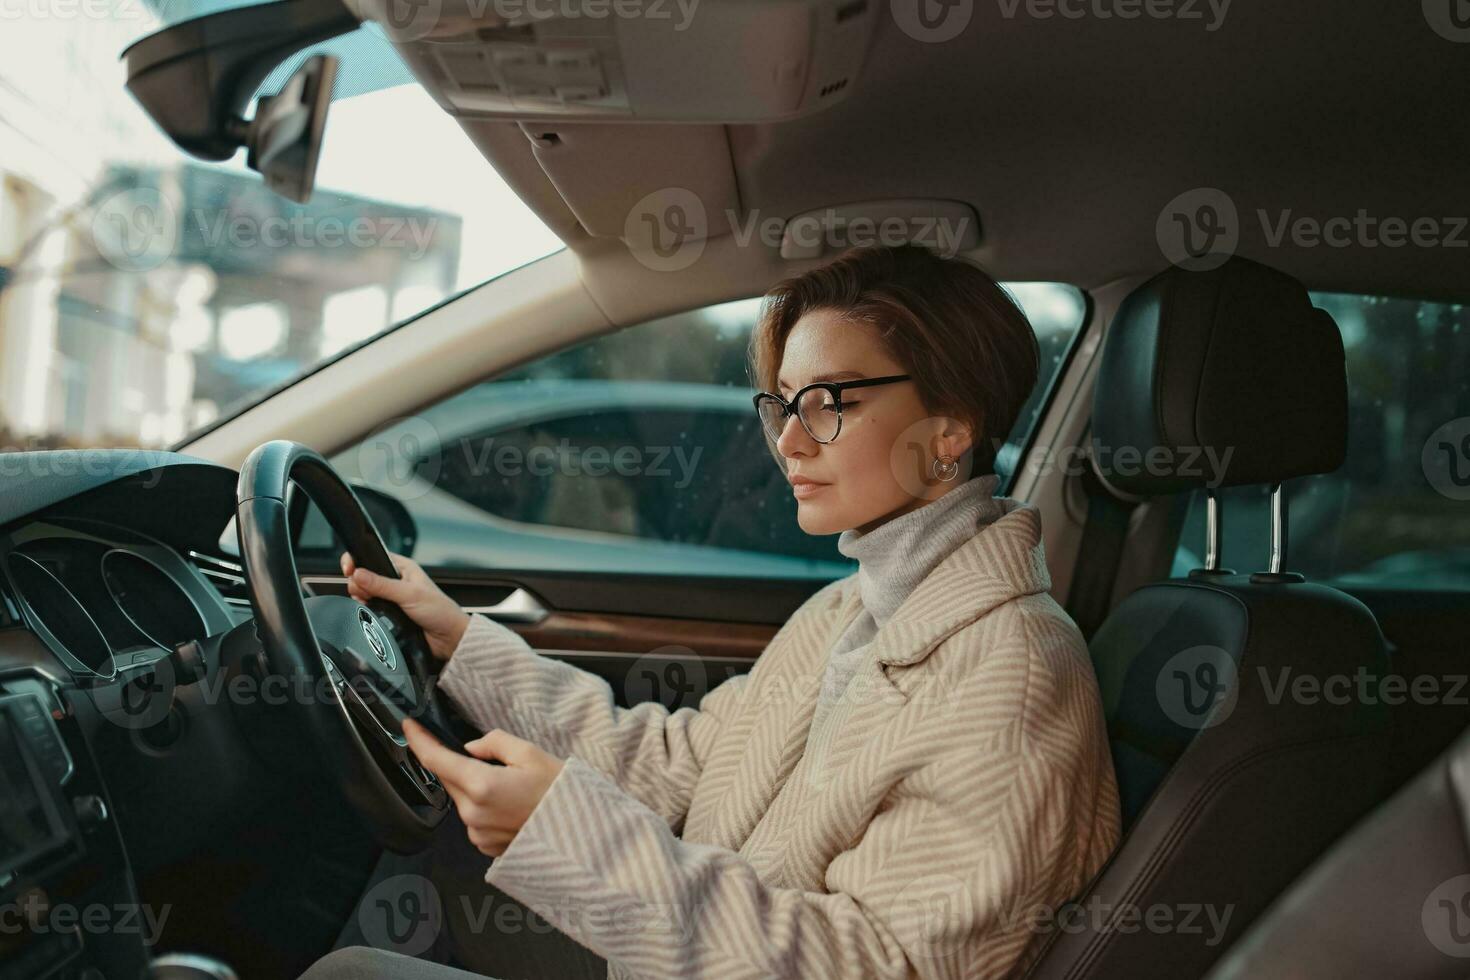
column 1213, row 531
column 1277, row 574
column 1214, row 535
column 1278, row 530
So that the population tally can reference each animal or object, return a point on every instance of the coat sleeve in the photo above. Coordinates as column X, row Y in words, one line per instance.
column 950, row 877
column 498, row 681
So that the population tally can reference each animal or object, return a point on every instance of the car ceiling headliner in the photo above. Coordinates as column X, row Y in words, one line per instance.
column 1068, row 137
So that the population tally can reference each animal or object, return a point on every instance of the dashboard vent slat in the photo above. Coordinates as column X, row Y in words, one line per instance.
column 226, row 576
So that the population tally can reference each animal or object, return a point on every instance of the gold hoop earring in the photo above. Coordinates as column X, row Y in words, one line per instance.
column 945, row 468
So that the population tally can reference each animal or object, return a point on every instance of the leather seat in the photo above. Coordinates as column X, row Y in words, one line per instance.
column 1389, row 900
column 1233, row 776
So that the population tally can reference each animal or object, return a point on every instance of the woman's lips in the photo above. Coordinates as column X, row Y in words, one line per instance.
column 801, row 487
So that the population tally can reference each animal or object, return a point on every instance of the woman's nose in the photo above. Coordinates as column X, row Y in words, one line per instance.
column 795, row 440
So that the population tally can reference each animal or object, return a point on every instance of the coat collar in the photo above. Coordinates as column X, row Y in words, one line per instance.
column 1003, row 560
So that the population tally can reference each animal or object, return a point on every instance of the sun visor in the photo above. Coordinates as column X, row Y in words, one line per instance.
column 641, row 183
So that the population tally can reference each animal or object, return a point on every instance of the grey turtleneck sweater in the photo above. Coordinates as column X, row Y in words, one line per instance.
column 892, row 560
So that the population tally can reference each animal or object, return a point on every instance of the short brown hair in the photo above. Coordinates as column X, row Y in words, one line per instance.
column 969, row 347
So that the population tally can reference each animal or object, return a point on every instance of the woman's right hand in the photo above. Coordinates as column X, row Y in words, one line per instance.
column 439, row 616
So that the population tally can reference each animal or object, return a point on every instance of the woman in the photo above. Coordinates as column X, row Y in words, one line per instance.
column 915, row 769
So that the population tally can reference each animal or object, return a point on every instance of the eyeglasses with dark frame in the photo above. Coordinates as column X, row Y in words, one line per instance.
column 818, row 406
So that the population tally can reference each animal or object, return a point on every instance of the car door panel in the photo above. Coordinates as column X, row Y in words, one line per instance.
column 620, row 628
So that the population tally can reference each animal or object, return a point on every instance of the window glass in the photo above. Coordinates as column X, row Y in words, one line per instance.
column 635, row 451
column 1397, row 513
column 145, row 294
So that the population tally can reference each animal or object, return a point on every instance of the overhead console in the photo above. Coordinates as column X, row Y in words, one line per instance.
column 591, row 84
column 646, row 60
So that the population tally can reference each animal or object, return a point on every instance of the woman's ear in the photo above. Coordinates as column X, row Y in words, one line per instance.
column 956, row 438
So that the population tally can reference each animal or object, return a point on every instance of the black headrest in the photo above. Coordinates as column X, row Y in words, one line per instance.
column 1218, row 378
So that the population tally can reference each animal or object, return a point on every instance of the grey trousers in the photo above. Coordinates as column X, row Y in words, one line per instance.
column 365, row 963
column 432, row 916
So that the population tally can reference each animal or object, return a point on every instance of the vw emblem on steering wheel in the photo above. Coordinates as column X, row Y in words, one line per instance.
column 376, row 639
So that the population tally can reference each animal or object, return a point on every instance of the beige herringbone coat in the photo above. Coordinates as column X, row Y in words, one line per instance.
column 967, row 785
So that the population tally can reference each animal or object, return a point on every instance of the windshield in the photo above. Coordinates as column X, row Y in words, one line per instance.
column 145, row 294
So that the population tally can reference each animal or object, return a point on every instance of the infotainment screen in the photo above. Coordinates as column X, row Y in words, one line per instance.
column 30, row 824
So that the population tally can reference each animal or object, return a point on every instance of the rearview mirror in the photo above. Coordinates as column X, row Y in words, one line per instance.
column 285, row 137
column 195, row 79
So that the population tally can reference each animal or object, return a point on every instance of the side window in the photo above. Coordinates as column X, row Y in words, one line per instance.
column 635, row 451
column 1397, row 513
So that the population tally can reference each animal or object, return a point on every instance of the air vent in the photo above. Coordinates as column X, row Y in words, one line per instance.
column 226, row 576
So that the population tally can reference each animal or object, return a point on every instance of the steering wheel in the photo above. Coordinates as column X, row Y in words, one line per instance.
column 356, row 670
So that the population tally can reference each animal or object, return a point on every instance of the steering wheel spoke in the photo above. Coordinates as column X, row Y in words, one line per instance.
column 374, row 715
column 424, row 781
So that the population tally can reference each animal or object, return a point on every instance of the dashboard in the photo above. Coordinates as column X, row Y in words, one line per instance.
column 108, row 561
column 148, row 759
column 99, row 595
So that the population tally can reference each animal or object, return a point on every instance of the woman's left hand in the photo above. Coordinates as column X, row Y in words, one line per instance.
column 494, row 802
